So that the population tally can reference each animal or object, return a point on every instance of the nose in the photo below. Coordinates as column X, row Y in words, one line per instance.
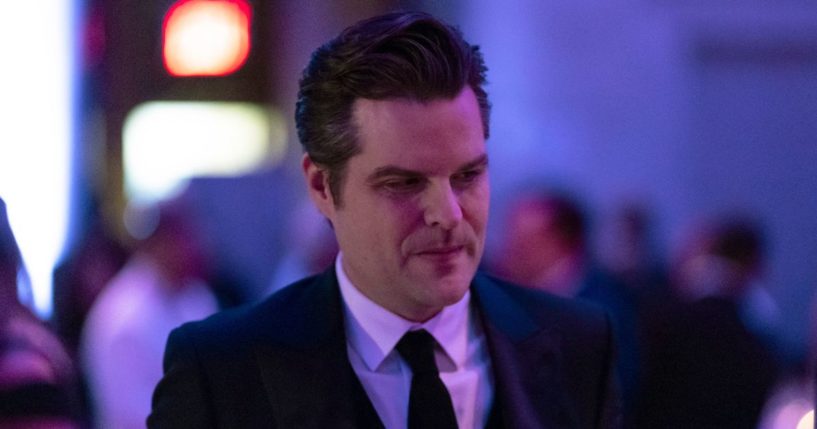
column 442, row 208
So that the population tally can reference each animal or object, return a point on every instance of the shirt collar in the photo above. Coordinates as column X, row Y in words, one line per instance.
column 373, row 331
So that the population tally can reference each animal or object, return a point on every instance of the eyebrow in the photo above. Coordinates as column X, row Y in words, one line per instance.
column 392, row 170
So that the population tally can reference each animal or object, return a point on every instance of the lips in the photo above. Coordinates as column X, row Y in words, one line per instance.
column 442, row 251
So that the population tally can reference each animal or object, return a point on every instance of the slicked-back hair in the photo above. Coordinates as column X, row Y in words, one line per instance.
column 409, row 55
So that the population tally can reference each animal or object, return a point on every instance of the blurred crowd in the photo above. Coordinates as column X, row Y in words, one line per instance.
column 697, row 330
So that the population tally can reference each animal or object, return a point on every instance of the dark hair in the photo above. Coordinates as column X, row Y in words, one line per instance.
column 739, row 240
column 568, row 217
column 397, row 55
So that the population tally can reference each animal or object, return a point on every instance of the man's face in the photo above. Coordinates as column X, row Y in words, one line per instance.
column 415, row 202
column 532, row 245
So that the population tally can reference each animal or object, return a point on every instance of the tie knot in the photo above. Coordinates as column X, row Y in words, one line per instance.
column 417, row 348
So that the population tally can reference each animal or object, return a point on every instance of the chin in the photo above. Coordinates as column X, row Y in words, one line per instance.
column 445, row 279
column 454, row 287
column 439, row 293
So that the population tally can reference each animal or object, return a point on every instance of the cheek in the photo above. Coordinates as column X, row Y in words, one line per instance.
column 404, row 218
column 475, row 207
column 390, row 222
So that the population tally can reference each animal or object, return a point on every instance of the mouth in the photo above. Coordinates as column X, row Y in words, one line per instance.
column 442, row 251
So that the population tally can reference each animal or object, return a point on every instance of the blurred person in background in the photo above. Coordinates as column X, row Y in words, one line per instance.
column 727, row 260
column 162, row 285
column 628, row 251
column 545, row 245
column 708, row 362
column 38, row 385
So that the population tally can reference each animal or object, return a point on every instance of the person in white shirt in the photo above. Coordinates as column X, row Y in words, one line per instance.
column 162, row 286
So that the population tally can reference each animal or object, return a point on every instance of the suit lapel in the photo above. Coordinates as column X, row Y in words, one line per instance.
column 526, row 361
column 304, row 365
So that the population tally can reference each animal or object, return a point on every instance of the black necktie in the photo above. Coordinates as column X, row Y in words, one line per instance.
column 429, row 402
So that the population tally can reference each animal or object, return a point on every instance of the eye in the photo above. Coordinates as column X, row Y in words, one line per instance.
column 402, row 184
column 467, row 177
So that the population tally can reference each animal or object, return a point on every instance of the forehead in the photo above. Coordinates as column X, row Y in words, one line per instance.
column 420, row 135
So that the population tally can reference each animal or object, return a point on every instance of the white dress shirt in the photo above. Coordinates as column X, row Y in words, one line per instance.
column 462, row 358
column 124, row 338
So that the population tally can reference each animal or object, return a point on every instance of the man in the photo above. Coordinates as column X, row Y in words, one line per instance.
column 393, row 117
column 711, row 336
column 547, row 247
column 545, row 243
column 162, row 285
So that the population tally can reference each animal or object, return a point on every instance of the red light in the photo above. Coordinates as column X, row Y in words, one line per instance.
column 206, row 37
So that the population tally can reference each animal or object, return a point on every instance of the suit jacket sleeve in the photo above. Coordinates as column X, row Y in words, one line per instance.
column 181, row 397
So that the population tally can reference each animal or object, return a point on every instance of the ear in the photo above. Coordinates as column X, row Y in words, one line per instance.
column 317, row 185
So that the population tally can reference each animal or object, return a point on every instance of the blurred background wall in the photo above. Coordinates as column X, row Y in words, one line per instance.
column 690, row 109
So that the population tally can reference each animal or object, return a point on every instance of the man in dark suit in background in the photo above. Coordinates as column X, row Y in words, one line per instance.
column 547, row 247
column 401, row 331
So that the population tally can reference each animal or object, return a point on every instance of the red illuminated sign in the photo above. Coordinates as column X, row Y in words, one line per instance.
column 206, row 37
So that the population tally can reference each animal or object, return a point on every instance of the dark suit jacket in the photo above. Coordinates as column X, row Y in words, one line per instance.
column 704, row 369
column 283, row 363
